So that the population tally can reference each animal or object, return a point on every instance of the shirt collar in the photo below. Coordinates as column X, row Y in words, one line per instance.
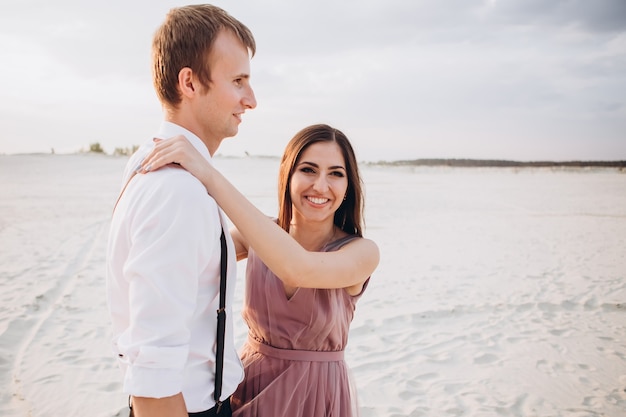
column 169, row 129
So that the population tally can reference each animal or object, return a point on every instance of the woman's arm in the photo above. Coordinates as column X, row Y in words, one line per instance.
column 241, row 244
column 295, row 266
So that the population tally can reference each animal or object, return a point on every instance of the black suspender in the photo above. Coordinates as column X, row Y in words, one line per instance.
column 221, row 325
column 221, row 314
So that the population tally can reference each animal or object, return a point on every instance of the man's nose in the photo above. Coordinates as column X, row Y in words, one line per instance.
column 249, row 100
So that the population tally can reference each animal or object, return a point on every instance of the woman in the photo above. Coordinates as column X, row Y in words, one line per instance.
column 303, row 277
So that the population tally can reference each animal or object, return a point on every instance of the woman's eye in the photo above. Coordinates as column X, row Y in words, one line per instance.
column 307, row 170
column 337, row 174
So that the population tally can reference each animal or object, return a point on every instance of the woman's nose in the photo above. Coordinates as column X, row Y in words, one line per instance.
column 321, row 184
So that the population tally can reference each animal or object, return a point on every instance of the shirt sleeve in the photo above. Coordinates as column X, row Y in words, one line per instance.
column 175, row 224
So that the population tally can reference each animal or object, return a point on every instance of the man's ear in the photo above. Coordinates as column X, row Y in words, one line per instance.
column 186, row 81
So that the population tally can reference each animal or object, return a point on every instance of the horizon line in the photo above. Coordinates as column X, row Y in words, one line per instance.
column 452, row 162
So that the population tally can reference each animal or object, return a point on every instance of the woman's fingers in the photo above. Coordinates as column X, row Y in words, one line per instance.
column 151, row 162
column 166, row 151
column 154, row 160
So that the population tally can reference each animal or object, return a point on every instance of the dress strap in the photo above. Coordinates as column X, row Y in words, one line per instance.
column 295, row 355
column 124, row 189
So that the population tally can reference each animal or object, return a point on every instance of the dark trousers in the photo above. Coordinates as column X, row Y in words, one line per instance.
column 225, row 411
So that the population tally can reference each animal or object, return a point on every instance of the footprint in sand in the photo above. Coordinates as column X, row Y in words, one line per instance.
column 485, row 358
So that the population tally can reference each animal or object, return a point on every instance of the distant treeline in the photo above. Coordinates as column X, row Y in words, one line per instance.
column 97, row 148
column 502, row 163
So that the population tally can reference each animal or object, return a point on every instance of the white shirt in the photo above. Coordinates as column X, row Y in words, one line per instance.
column 163, row 273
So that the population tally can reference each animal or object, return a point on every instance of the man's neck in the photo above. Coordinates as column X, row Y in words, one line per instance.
column 211, row 144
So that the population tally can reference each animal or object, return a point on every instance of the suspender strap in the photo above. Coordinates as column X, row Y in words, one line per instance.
column 221, row 324
column 221, row 313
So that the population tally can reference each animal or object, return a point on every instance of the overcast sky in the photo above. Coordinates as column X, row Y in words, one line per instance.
column 404, row 79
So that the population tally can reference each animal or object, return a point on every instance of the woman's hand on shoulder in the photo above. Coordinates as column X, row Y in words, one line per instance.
column 175, row 150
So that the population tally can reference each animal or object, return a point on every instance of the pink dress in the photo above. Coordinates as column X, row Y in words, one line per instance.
column 293, row 358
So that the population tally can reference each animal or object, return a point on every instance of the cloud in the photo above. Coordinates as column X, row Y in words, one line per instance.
column 595, row 16
column 92, row 39
column 415, row 78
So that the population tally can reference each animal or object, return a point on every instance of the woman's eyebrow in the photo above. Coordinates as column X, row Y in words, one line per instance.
column 313, row 164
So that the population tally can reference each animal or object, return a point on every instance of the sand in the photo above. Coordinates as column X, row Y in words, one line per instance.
column 501, row 292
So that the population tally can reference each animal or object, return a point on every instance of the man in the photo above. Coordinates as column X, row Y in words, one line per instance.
column 163, row 260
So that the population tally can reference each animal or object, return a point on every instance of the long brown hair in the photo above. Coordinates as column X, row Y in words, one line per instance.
column 185, row 40
column 349, row 216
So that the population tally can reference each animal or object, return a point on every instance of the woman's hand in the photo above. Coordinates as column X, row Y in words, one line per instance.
column 176, row 150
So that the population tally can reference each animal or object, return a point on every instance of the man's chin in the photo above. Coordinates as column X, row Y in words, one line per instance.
column 232, row 133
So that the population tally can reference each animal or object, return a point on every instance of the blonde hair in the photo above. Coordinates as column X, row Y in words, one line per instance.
column 185, row 39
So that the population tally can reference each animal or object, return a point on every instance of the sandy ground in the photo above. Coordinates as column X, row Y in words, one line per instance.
column 500, row 292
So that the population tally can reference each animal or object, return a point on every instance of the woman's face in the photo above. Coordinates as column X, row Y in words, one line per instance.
column 319, row 182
